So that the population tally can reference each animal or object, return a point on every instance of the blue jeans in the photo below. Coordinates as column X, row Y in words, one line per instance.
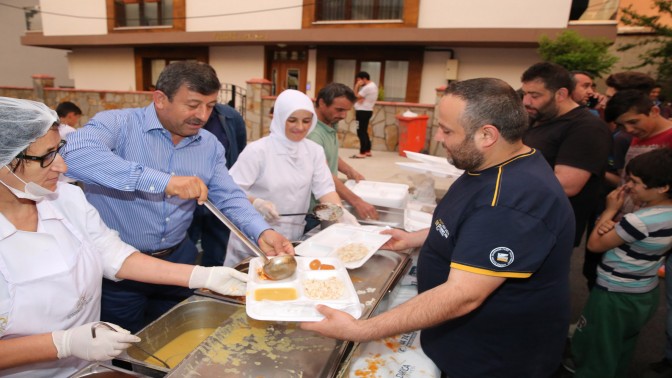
column 132, row 305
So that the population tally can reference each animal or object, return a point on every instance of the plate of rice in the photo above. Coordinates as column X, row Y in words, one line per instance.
column 351, row 245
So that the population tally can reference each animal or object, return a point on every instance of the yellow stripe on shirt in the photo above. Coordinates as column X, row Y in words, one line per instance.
column 495, row 196
column 487, row 272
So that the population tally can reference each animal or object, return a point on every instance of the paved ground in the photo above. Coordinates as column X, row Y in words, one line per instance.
column 382, row 167
column 650, row 345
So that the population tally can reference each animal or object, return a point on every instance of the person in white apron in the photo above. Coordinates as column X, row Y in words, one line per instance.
column 279, row 172
column 54, row 252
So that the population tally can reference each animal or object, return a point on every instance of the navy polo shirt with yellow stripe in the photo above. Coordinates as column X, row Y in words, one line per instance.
column 514, row 221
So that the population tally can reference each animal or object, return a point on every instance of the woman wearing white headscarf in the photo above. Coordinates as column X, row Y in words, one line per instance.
column 55, row 251
column 280, row 171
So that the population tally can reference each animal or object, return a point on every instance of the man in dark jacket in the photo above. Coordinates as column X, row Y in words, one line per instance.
column 229, row 127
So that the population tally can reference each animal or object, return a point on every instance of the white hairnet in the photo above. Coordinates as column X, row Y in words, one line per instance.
column 21, row 123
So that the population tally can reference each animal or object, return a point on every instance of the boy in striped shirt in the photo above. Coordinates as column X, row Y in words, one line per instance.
column 626, row 294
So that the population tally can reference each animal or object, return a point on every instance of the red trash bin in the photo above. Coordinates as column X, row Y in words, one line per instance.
column 412, row 133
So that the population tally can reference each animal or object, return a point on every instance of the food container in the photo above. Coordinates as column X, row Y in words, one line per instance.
column 434, row 165
column 327, row 243
column 245, row 347
column 290, row 299
column 380, row 193
column 415, row 220
column 185, row 317
column 98, row 370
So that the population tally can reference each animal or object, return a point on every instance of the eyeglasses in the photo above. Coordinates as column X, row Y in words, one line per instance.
column 46, row 159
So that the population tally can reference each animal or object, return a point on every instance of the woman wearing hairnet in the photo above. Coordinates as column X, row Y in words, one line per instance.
column 280, row 171
column 54, row 252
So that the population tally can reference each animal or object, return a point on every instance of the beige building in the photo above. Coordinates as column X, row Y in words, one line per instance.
column 19, row 62
column 409, row 47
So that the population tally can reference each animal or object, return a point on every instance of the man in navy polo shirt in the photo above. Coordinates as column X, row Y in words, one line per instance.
column 493, row 272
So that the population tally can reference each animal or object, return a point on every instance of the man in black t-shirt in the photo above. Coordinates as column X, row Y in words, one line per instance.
column 493, row 272
column 574, row 142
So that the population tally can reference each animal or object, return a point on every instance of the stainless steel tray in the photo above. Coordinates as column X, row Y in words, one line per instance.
column 98, row 370
column 387, row 216
column 244, row 347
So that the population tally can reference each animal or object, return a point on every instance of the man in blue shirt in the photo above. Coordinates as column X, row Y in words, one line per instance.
column 145, row 170
column 493, row 272
column 229, row 127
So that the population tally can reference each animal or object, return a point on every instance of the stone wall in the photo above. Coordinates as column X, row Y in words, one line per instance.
column 90, row 101
column 383, row 128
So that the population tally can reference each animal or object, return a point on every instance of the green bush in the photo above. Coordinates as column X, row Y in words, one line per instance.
column 577, row 53
column 659, row 46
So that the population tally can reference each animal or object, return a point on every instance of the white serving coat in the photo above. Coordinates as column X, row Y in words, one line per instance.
column 51, row 279
column 276, row 169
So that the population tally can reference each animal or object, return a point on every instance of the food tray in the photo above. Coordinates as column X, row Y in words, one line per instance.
column 435, row 165
column 326, row 242
column 380, row 193
column 415, row 220
column 425, row 158
column 302, row 309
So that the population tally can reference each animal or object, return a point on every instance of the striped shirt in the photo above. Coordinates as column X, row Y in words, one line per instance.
column 125, row 159
column 632, row 267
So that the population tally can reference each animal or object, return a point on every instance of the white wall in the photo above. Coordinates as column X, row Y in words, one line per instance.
column 506, row 64
column 312, row 73
column 20, row 62
column 502, row 63
column 212, row 15
column 237, row 64
column 433, row 75
column 74, row 17
column 493, row 13
column 108, row 69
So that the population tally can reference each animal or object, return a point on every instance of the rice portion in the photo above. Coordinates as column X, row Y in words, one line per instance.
column 352, row 252
column 331, row 288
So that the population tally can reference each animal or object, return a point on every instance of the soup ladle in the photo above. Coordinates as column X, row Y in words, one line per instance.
column 276, row 268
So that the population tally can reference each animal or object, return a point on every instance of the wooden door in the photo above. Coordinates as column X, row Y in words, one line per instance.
column 288, row 71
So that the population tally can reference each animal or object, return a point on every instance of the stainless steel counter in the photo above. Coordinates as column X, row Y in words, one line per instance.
column 244, row 347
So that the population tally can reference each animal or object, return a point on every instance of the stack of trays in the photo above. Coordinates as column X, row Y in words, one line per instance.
column 380, row 193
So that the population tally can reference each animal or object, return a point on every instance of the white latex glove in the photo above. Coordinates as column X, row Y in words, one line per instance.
column 79, row 342
column 266, row 208
column 220, row 279
column 348, row 218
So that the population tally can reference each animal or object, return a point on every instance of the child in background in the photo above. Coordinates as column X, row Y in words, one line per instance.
column 627, row 292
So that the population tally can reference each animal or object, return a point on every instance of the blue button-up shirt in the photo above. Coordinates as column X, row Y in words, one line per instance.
column 125, row 159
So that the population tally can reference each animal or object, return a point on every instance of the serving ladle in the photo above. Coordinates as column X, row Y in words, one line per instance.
column 323, row 211
column 276, row 268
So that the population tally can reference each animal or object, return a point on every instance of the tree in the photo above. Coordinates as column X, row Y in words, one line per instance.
column 660, row 45
column 577, row 53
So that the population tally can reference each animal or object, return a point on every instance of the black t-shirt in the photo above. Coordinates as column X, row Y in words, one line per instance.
column 581, row 140
column 512, row 221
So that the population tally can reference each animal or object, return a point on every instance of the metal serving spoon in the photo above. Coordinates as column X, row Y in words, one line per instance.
column 143, row 350
column 323, row 211
column 276, row 268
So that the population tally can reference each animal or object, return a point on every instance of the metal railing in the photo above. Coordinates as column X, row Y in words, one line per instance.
column 235, row 96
